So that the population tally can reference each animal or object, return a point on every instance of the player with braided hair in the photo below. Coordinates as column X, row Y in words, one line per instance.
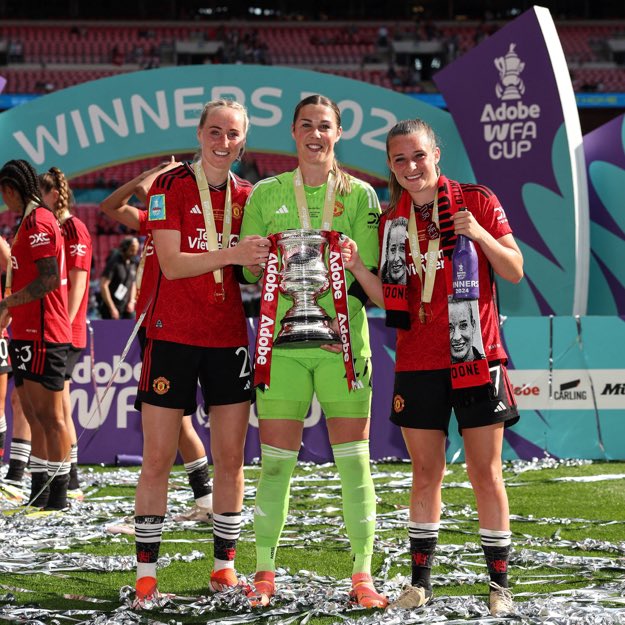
column 36, row 303
column 78, row 251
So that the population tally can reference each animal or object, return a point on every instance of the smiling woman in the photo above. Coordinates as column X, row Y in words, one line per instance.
column 318, row 195
column 205, row 344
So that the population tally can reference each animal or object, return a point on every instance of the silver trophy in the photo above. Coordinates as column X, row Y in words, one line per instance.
column 304, row 277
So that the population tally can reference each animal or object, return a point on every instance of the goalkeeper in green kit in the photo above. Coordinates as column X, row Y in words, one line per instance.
column 319, row 195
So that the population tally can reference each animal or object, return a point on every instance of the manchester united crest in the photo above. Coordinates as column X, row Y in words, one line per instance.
column 161, row 385
column 237, row 211
column 398, row 403
column 338, row 208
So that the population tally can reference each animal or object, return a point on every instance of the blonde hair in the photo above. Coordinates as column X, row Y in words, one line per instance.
column 54, row 179
column 343, row 180
column 400, row 129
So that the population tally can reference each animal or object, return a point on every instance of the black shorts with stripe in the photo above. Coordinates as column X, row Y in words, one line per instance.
column 171, row 371
column 425, row 399
column 39, row 361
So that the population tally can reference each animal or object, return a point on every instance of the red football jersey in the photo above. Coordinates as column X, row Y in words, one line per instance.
column 46, row 319
column 426, row 346
column 78, row 252
column 150, row 269
column 186, row 310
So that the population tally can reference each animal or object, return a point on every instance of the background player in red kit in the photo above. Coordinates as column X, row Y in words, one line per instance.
column 41, row 331
column 78, row 252
column 190, row 444
column 427, row 345
column 197, row 331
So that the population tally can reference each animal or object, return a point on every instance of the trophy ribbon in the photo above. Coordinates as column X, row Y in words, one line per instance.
column 267, row 317
column 212, row 242
column 339, row 294
column 302, row 204
column 431, row 259
column 30, row 207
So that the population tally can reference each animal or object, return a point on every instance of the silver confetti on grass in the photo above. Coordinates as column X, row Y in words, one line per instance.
column 305, row 595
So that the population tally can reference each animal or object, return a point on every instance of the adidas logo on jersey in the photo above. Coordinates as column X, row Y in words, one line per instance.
column 500, row 407
column 22, row 366
column 283, row 210
column 247, row 386
column 196, row 210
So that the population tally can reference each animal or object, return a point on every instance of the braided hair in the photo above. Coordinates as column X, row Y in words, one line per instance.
column 54, row 180
column 21, row 176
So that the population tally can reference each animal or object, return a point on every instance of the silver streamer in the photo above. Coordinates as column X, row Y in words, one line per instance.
column 31, row 542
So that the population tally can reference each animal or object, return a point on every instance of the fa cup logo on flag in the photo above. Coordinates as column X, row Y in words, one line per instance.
column 510, row 67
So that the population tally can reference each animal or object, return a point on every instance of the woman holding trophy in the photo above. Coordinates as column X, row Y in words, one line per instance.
column 196, row 332
column 317, row 196
column 442, row 336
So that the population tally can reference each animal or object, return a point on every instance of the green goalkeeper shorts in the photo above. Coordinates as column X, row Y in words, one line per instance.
column 294, row 380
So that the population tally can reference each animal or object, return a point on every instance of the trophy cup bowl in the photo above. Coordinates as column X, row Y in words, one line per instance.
column 304, row 278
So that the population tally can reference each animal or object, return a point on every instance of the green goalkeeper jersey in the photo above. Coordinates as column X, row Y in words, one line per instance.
column 271, row 208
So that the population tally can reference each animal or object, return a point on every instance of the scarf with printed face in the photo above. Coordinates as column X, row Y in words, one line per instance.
column 468, row 365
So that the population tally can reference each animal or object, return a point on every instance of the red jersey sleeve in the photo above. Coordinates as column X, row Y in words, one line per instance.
column 163, row 202
column 42, row 236
column 78, row 245
column 143, row 223
column 487, row 210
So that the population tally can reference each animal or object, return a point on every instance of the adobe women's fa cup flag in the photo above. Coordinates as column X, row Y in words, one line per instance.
column 513, row 103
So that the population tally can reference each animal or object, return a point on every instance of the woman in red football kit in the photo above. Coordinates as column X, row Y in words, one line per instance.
column 190, row 444
column 78, row 252
column 41, row 331
column 423, row 201
column 196, row 331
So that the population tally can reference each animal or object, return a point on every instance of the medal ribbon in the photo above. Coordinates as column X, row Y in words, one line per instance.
column 30, row 207
column 212, row 241
column 431, row 258
column 267, row 317
column 302, row 204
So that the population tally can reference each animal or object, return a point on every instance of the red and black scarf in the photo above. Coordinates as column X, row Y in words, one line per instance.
column 450, row 199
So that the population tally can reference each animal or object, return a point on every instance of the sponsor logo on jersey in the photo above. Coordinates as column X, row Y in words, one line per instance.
column 156, row 209
column 373, row 220
column 161, row 385
column 38, row 239
column 77, row 249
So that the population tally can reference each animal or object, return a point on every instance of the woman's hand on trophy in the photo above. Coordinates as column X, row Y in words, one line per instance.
column 351, row 257
column 251, row 250
column 334, row 324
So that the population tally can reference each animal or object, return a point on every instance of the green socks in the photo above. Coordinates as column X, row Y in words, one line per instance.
column 352, row 462
column 272, row 503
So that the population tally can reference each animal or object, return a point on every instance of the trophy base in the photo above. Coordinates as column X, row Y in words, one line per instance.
column 315, row 333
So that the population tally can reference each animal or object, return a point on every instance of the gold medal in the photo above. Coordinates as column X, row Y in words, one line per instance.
column 425, row 313
column 422, row 317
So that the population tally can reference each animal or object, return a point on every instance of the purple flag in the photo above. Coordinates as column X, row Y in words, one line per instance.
column 513, row 103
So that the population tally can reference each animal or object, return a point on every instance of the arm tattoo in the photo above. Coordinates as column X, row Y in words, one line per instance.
column 47, row 280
